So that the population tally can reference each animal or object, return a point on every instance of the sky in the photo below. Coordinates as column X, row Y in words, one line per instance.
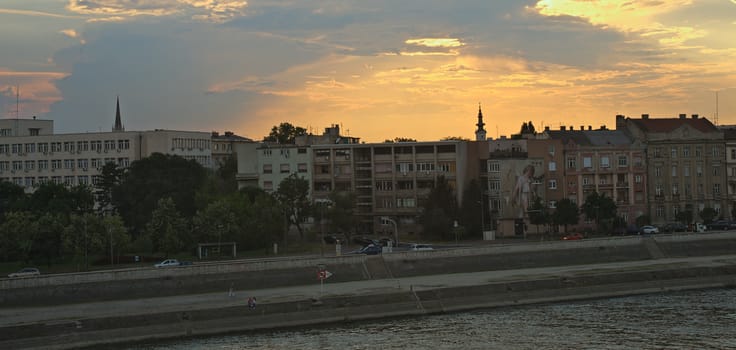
column 380, row 69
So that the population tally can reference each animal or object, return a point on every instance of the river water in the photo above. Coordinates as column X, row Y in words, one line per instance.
column 703, row 319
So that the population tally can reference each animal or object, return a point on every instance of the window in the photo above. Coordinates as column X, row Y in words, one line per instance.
column 716, row 151
column 658, row 189
column 30, row 148
column 657, row 171
column 552, row 166
column 110, row 145
column 699, row 170
column 267, row 168
column 551, row 149
column 586, row 180
column 405, row 202
column 6, row 132
column 82, row 164
column 698, row 151
column 284, row 168
column 637, row 179
column 43, row 164
column 30, row 165
column 404, row 167
column 571, row 163
column 123, row 144
column 686, row 171
column 268, row 185
column 267, row 152
column 673, row 152
column 637, row 161
column 16, row 148
column 68, row 147
column 55, row 164
column 123, row 162
column 687, row 189
column 301, row 151
column 605, row 162
column 96, row 146
column 675, row 189
column 68, row 163
column 733, row 153
column 68, row 180
column 302, row 167
column 716, row 189
column 686, row 151
column 82, row 146
column 552, row 204
column 587, row 162
column 426, row 167
column 83, row 180
column 657, row 152
column 285, row 152
column 674, row 170
column 494, row 167
column 660, row 211
column 405, row 185
column 494, row 185
column 716, row 171
column 552, row 184
column 384, row 185
column 623, row 161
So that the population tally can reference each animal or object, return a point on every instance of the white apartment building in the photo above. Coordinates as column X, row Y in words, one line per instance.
column 30, row 153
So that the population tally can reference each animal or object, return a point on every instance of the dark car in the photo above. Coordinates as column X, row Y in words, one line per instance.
column 572, row 237
column 365, row 241
column 371, row 250
column 333, row 239
column 719, row 225
column 674, row 227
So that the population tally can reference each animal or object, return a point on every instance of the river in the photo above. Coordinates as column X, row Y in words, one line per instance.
column 704, row 319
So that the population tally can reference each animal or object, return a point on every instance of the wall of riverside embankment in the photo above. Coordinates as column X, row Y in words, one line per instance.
column 280, row 272
column 85, row 332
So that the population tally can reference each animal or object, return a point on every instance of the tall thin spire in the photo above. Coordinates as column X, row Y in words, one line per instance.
column 118, row 122
column 480, row 133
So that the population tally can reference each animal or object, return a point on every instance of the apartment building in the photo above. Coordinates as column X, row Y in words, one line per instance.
column 224, row 146
column 30, row 153
column 686, row 165
column 609, row 162
column 729, row 135
column 392, row 179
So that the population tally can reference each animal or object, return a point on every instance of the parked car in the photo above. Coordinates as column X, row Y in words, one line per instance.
column 371, row 249
column 674, row 227
column 169, row 263
column 25, row 272
column 572, row 237
column 648, row 229
column 719, row 225
column 419, row 247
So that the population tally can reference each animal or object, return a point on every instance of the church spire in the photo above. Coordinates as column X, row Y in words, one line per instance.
column 480, row 133
column 118, row 123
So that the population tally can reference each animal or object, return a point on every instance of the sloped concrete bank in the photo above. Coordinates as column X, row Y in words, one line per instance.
column 403, row 300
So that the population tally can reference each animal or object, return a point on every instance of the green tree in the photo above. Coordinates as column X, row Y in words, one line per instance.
column 167, row 228
column 219, row 222
column 566, row 213
column 82, row 237
column 116, row 236
column 149, row 180
column 440, row 211
column 470, row 216
column 17, row 235
column 400, row 139
column 263, row 221
column 285, row 133
column 293, row 194
column 11, row 197
column 642, row 220
column 342, row 212
column 48, row 241
column 708, row 214
column 538, row 213
column 110, row 176
column 600, row 208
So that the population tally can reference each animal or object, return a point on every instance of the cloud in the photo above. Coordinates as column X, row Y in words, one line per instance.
column 35, row 13
column 70, row 33
column 205, row 10
column 435, row 42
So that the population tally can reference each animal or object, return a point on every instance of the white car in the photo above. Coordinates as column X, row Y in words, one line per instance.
column 648, row 230
column 168, row 263
column 419, row 247
column 25, row 272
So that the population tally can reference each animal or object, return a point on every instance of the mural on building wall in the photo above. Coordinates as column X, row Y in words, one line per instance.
column 521, row 183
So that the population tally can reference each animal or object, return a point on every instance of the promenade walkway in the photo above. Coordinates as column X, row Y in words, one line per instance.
column 70, row 312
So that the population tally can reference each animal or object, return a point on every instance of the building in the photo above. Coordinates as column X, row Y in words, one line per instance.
column 224, row 146
column 686, row 165
column 30, row 153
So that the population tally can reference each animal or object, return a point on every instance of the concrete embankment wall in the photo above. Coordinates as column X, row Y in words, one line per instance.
column 402, row 302
column 281, row 272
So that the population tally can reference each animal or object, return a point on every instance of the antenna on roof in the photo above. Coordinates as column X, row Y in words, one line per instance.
column 17, row 101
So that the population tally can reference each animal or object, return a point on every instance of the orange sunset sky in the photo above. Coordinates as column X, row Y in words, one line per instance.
column 381, row 69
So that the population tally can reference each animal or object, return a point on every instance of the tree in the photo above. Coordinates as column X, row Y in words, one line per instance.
column 285, row 133
column 538, row 213
column 167, row 228
column 263, row 221
column 293, row 194
column 440, row 211
column 83, row 237
column 342, row 212
column 110, row 177
column 470, row 216
column 17, row 235
column 218, row 222
column 708, row 214
column 600, row 208
column 116, row 236
column 454, row 138
column 400, row 139
column 11, row 197
column 566, row 213
column 149, row 180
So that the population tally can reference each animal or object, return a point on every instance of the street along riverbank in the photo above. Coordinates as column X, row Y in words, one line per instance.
column 390, row 285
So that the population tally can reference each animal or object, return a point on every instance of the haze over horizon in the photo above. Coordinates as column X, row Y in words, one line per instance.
column 381, row 69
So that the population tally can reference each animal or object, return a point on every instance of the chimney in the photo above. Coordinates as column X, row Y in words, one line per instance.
column 582, row 127
column 562, row 127
column 215, row 134
column 546, row 128
column 645, row 116
column 603, row 127
column 695, row 116
column 590, row 128
column 683, row 115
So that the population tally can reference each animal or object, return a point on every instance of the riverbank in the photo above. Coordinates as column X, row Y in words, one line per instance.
column 397, row 285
